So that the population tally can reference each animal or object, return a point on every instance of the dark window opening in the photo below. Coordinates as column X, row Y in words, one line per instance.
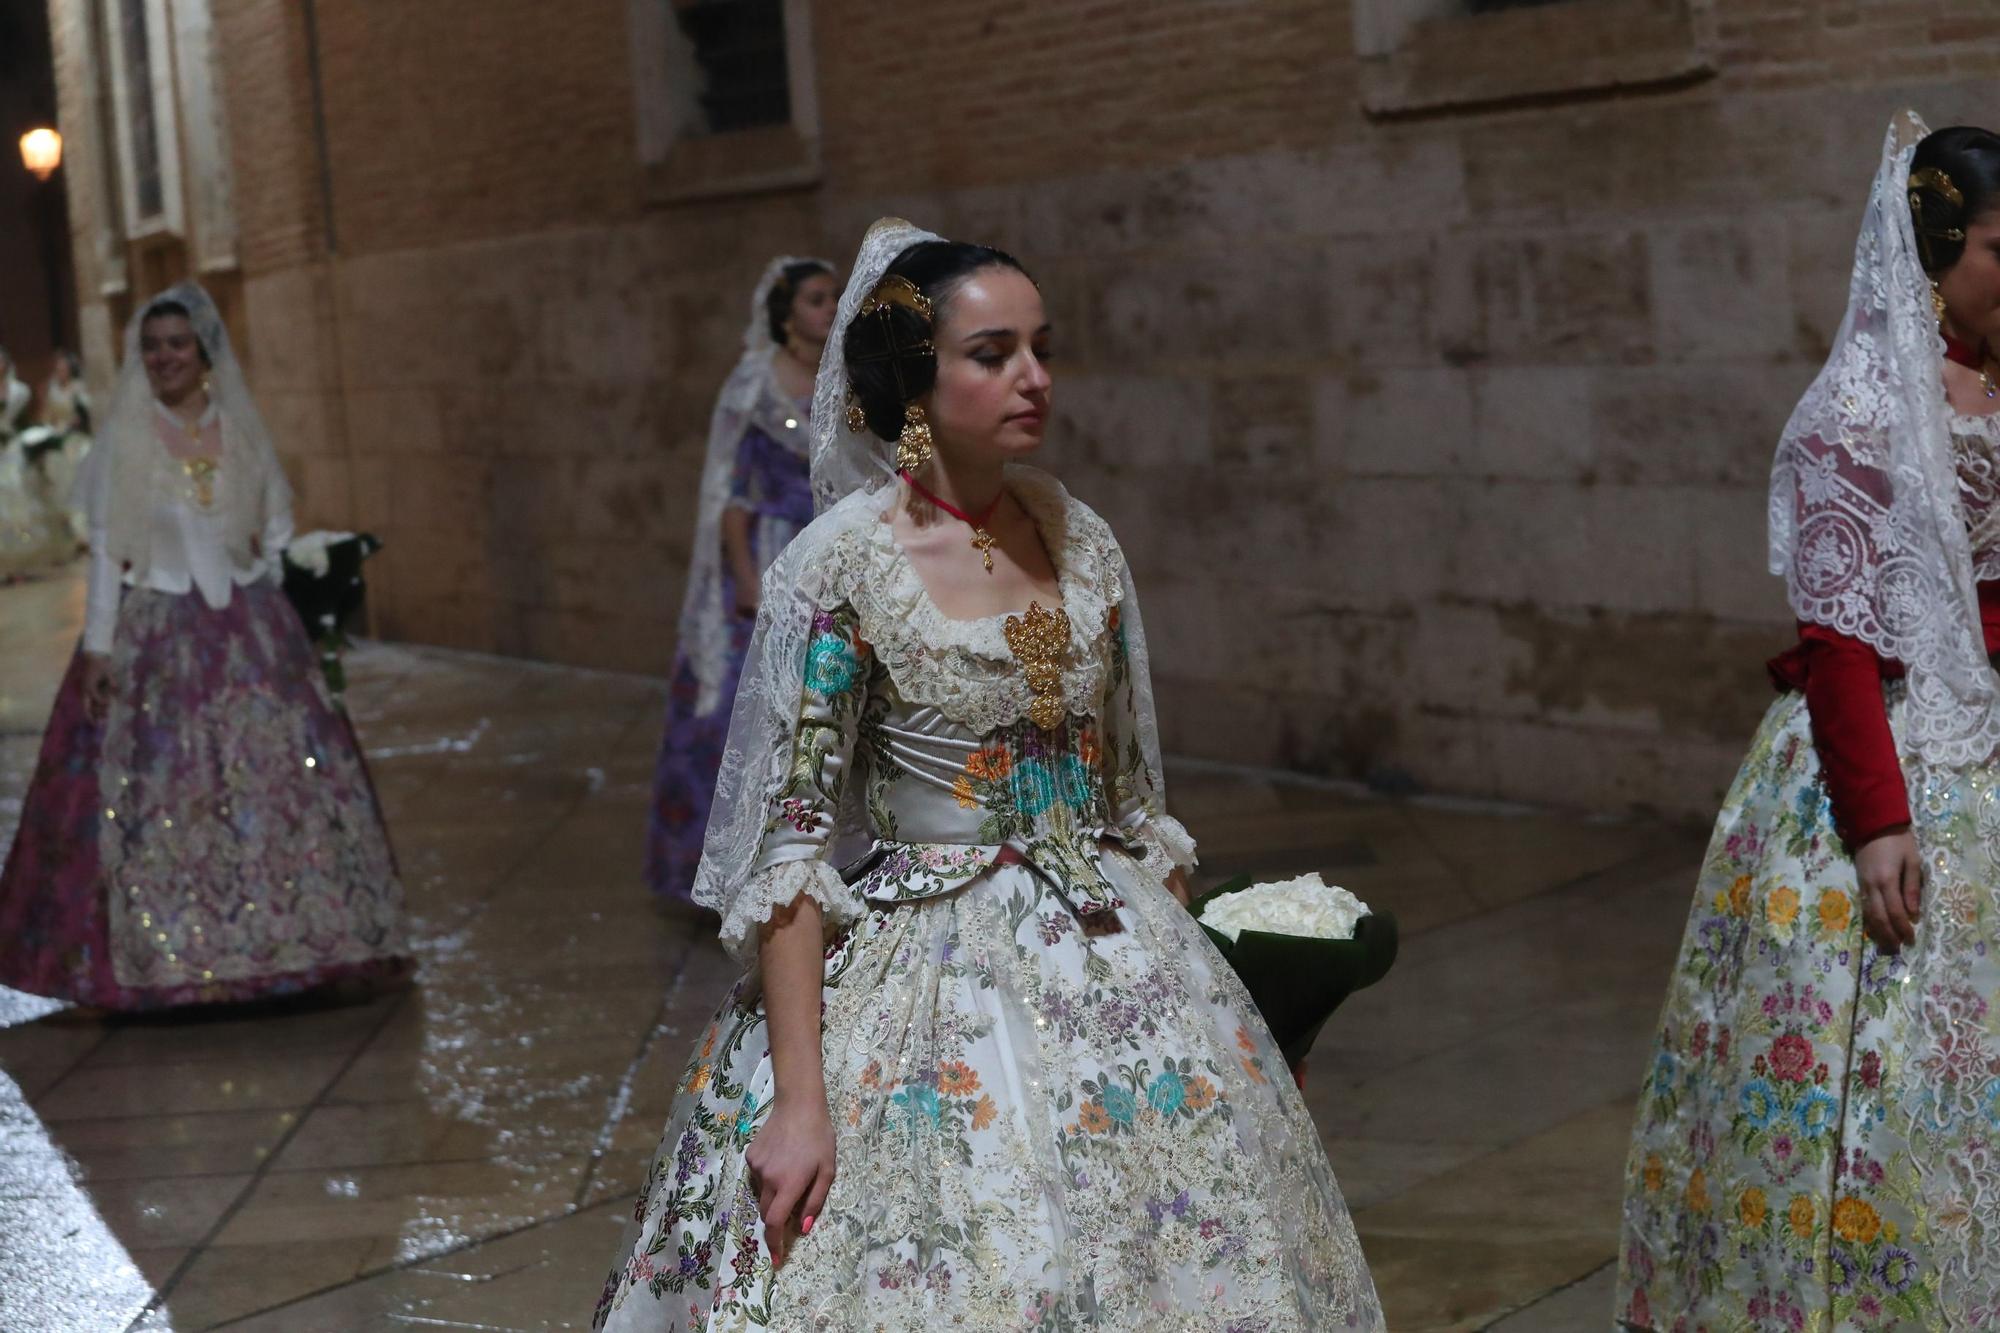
column 147, row 186
column 739, row 52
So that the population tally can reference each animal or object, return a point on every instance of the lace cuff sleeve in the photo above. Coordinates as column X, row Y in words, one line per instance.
column 776, row 887
column 1167, row 844
column 1132, row 777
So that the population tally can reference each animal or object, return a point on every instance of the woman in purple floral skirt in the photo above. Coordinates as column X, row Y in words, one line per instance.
column 201, row 826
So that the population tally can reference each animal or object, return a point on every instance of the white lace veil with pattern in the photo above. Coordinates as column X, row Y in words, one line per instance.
column 851, row 480
column 749, row 397
column 128, row 468
column 1866, row 523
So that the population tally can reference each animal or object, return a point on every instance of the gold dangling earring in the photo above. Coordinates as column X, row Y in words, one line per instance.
column 1937, row 303
column 913, row 446
column 857, row 420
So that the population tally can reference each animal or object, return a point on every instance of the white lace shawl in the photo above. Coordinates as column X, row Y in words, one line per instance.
column 1866, row 520
column 963, row 669
column 128, row 469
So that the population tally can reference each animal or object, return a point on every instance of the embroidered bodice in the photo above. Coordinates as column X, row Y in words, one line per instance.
column 925, row 724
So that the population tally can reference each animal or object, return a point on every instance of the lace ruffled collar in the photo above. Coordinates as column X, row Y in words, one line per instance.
column 964, row 668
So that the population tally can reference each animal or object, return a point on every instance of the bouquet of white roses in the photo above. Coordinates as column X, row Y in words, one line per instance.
column 1300, row 947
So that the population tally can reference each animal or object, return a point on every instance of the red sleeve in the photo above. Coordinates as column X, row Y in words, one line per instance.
column 1857, row 751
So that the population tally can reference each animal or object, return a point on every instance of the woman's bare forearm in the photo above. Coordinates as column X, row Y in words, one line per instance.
column 736, row 547
column 793, row 958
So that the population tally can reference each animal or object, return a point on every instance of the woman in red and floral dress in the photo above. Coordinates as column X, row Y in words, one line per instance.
column 1814, row 1145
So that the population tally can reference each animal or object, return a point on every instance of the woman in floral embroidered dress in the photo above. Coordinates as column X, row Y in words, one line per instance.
column 200, row 826
column 1815, row 1139
column 31, row 536
column 985, row 1072
column 756, row 493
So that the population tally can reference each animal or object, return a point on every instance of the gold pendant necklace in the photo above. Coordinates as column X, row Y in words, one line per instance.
column 200, row 468
column 982, row 540
column 201, row 473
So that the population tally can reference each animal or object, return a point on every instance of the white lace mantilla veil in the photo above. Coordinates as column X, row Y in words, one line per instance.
column 127, row 468
column 851, row 477
column 750, row 396
column 1866, row 524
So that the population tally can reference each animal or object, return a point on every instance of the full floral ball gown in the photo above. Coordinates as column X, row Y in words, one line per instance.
column 1055, row 1106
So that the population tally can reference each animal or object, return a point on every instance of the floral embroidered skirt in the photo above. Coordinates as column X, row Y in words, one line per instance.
column 1817, row 1135
column 1037, row 1129
column 217, row 839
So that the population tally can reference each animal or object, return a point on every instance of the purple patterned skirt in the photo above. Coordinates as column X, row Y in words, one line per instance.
column 217, row 839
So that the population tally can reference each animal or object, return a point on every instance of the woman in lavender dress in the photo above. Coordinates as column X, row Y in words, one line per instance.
column 755, row 497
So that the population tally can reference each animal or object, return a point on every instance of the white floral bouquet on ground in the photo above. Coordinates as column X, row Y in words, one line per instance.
column 1301, row 947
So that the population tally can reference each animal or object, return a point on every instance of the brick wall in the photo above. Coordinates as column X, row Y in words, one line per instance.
column 1438, row 443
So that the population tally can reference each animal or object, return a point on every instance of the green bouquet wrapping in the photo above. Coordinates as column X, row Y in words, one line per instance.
column 1297, row 981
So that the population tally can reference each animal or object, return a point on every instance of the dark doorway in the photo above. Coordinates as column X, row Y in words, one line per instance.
column 37, row 283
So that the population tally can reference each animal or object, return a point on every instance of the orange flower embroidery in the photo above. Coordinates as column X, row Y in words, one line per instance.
column 1093, row 1118
column 957, row 1079
column 1087, row 748
column 1250, row 1067
column 1200, row 1094
column 1739, row 896
column 1245, row 1041
column 1836, row 910
column 699, row 1079
column 961, row 788
column 871, row 1077
column 1697, row 1191
column 984, row 1113
column 991, row 764
column 1854, row 1220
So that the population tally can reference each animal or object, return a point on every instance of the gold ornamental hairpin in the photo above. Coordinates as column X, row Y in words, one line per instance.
column 897, row 290
column 1936, row 178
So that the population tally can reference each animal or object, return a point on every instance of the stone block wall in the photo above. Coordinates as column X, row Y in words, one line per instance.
column 1438, row 442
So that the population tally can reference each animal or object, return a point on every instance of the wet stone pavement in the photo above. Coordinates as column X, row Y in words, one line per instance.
column 464, row 1154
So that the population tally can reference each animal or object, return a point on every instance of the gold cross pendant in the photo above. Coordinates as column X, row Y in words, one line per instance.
column 982, row 541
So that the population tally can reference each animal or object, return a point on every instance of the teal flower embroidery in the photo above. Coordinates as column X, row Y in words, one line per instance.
column 831, row 666
column 1073, row 775
column 1168, row 1093
column 746, row 1119
column 1120, row 1104
column 920, row 1107
column 1034, row 787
